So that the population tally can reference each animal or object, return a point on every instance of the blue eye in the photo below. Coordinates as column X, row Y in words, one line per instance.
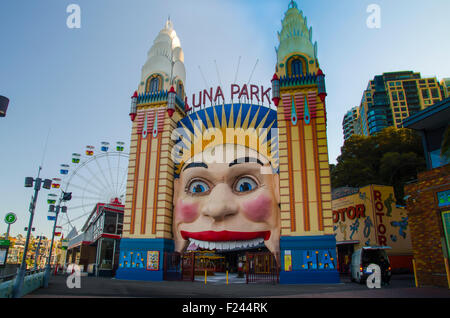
column 245, row 184
column 197, row 187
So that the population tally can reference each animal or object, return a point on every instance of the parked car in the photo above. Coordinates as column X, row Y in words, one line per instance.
column 365, row 256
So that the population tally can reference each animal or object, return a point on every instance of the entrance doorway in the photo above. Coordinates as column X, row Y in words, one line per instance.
column 242, row 266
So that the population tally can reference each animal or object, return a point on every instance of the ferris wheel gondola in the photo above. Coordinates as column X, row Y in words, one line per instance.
column 92, row 178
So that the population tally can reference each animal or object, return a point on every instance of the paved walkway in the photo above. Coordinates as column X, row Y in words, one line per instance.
column 400, row 287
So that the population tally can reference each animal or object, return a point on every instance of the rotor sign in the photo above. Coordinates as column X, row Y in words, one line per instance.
column 10, row 218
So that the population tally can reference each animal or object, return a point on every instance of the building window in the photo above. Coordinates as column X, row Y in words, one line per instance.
column 394, row 96
column 110, row 224
column 153, row 84
column 425, row 94
column 401, row 95
column 180, row 90
column 296, row 67
column 434, row 93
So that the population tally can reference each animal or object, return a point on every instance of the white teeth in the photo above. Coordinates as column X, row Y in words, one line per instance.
column 223, row 246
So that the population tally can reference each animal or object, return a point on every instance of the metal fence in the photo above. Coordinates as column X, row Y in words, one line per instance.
column 261, row 267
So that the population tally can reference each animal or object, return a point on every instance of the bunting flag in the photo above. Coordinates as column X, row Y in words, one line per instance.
column 57, row 233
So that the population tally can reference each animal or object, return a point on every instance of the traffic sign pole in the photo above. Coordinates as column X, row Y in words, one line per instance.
column 10, row 218
column 7, row 232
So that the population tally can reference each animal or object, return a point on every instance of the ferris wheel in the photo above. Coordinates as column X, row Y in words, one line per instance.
column 94, row 176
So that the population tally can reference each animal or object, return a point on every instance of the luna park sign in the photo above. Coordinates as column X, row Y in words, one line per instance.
column 251, row 93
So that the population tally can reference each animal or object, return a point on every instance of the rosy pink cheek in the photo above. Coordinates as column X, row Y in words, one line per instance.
column 186, row 212
column 259, row 209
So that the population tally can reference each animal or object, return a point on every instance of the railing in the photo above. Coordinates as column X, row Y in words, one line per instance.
column 33, row 280
column 261, row 267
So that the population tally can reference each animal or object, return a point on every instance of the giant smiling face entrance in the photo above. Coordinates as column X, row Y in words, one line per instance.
column 226, row 196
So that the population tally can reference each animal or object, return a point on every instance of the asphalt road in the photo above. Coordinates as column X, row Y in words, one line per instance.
column 92, row 287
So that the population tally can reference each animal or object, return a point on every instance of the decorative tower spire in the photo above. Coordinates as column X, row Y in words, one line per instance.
column 301, row 117
column 295, row 36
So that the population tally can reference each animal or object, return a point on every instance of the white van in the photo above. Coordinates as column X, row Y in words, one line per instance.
column 365, row 256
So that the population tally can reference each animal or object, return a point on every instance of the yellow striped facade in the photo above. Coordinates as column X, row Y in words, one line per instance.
column 148, row 205
column 305, row 187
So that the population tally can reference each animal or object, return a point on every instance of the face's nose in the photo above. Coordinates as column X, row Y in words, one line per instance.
column 221, row 203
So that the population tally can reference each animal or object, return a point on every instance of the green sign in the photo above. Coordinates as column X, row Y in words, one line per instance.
column 4, row 242
column 10, row 218
column 443, row 198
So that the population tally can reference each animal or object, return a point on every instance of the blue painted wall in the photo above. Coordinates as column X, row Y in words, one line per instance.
column 133, row 258
column 313, row 260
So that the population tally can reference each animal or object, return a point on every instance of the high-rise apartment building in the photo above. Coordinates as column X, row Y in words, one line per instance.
column 349, row 124
column 445, row 85
column 392, row 97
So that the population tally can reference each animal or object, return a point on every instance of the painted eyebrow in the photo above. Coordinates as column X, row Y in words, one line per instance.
column 196, row 165
column 245, row 160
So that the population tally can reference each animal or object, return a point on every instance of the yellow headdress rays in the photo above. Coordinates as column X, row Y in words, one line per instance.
column 252, row 126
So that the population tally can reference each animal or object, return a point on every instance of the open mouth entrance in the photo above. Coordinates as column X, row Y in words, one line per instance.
column 223, row 265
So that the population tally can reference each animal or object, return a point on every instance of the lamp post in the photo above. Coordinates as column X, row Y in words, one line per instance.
column 46, row 184
column 36, row 256
column 65, row 196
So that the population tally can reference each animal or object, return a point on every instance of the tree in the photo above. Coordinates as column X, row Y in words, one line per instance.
column 392, row 157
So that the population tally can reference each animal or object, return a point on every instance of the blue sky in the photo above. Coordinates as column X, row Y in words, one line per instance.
column 76, row 83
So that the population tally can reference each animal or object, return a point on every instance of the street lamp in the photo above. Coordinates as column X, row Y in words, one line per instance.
column 65, row 196
column 46, row 184
column 36, row 256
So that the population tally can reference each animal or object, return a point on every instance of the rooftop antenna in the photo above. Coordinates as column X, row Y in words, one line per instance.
column 251, row 75
column 45, row 149
column 235, row 76
column 218, row 75
column 204, row 80
column 237, row 70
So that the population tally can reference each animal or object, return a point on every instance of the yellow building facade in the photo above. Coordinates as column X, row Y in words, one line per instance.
column 370, row 217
